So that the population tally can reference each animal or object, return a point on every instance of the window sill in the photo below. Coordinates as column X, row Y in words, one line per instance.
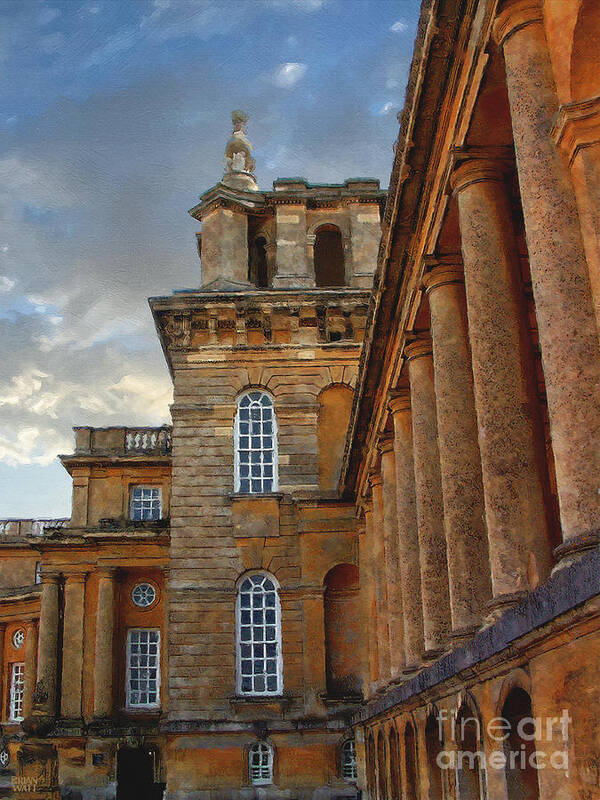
column 255, row 495
column 277, row 703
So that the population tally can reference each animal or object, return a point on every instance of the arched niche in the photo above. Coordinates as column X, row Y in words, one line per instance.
column 468, row 737
column 335, row 406
column 394, row 751
column 329, row 257
column 434, row 746
column 412, row 791
column 519, row 746
column 342, row 631
column 585, row 76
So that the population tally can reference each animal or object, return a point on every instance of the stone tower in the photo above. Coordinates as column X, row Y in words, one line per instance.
column 279, row 319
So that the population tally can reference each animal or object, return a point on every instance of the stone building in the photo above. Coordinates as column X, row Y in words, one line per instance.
column 194, row 626
column 366, row 552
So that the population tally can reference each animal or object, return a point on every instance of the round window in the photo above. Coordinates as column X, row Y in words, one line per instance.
column 143, row 595
column 4, row 758
column 18, row 638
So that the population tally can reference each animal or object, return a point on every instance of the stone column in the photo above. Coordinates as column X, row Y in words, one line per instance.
column 428, row 492
column 380, row 583
column 103, row 657
column 31, row 648
column 561, row 287
column 408, row 540
column 72, row 662
column 577, row 133
column 369, row 602
column 510, row 438
column 392, row 564
column 460, row 462
column 48, row 645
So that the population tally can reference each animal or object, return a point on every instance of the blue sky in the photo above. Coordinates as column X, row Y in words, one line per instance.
column 113, row 119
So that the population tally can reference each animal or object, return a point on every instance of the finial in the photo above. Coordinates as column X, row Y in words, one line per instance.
column 239, row 164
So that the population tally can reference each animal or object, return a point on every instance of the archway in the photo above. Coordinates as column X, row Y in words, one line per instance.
column 410, row 762
column 468, row 766
column 521, row 775
column 382, row 766
column 434, row 746
column 329, row 257
column 395, row 790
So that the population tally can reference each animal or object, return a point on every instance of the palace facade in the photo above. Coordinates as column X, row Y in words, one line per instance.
column 366, row 553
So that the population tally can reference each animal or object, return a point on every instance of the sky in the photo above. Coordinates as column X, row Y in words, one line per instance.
column 113, row 120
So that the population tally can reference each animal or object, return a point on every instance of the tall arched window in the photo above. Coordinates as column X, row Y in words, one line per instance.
column 348, row 758
column 260, row 764
column 395, row 792
column 469, row 772
column 410, row 763
column 255, row 442
column 434, row 746
column 259, row 658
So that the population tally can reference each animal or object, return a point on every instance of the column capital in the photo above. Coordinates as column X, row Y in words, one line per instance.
column 442, row 275
column 386, row 444
column 418, row 348
column 375, row 479
column 75, row 577
column 49, row 577
column 515, row 15
column 577, row 126
column 477, row 170
column 399, row 402
column 106, row 572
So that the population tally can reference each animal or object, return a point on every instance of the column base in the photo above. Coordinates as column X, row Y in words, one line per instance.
column 38, row 723
column 462, row 635
column 429, row 656
column 571, row 550
column 498, row 605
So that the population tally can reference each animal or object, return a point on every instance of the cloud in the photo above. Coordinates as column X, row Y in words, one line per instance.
column 6, row 285
column 48, row 15
column 400, row 26
column 28, row 446
column 288, row 74
column 385, row 108
column 304, row 6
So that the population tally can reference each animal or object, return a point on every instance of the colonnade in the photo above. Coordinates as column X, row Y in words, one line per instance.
column 69, row 703
column 466, row 467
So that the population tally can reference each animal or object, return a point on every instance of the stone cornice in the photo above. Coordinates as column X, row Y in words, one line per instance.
column 577, row 126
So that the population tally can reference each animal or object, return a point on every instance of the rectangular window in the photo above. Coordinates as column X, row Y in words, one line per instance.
column 17, row 681
column 145, row 503
column 143, row 668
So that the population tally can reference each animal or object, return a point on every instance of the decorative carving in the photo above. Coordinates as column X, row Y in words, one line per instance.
column 177, row 330
column 239, row 164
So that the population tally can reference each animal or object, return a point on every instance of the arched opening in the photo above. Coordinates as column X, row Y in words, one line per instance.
column 395, row 790
column 342, row 632
column 382, row 766
column 434, row 746
column 258, row 270
column 371, row 782
column 521, row 775
column 335, row 405
column 329, row 257
column 468, row 767
column 410, row 761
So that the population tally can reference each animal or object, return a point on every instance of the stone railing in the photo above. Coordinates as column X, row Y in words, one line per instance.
column 123, row 441
column 146, row 440
column 30, row 527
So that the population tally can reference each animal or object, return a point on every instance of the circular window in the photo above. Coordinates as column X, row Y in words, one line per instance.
column 4, row 758
column 143, row 595
column 18, row 638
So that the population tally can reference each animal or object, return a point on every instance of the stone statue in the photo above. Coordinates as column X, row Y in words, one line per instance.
column 239, row 164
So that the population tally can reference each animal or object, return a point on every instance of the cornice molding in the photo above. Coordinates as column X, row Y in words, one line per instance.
column 577, row 126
